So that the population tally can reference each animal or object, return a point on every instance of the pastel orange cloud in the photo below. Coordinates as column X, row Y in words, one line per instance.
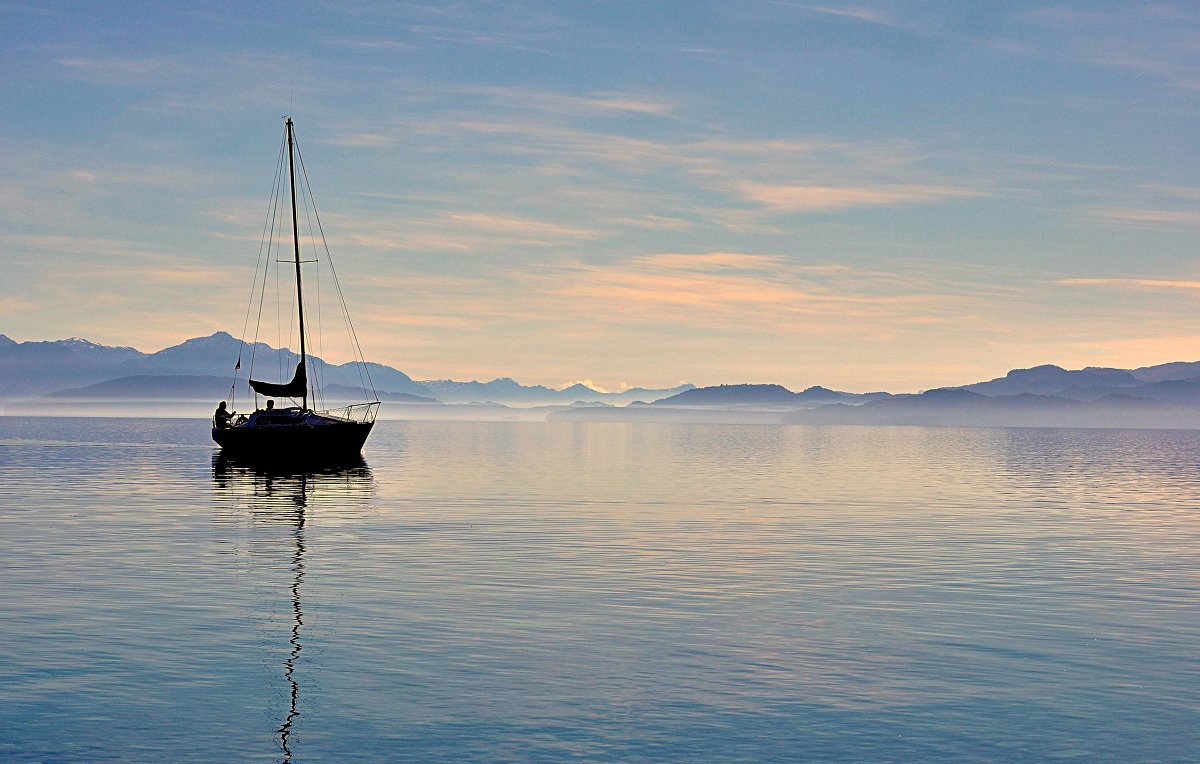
column 796, row 198
column 525, row 227
column 1133, row 283
column 765, row 291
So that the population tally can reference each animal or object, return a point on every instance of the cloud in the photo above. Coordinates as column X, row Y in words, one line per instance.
column 115, row 70
column 1148, row 217
column 374, row 44
column 864, row 15
column 466, row 232
column 586, row 383
column 1118, row 283
column 15, row 305
column 590, row 178
column 121, row 265
column 360, row 140
column 713, row 315
column 655, row 222
column 1133, row 351
column 793, row 198
column 732, row 291
column 1150, row 39
column 525, row 230
column 526, row 100
column 706, row 294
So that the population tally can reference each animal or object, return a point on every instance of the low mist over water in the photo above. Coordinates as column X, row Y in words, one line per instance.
column 589, row 591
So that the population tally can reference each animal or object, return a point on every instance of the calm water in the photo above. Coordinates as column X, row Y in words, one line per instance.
column 599, row 592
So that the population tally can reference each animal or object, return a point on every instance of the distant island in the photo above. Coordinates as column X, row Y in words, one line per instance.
column 76, row 375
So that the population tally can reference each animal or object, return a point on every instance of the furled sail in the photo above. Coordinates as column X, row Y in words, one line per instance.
column 297, row 388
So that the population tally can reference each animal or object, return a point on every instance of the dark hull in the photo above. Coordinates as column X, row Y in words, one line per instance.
column 306, row 444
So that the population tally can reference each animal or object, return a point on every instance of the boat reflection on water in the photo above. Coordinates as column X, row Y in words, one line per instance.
column 287, row 497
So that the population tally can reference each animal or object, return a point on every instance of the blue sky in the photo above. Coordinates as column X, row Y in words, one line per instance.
column 866, row 196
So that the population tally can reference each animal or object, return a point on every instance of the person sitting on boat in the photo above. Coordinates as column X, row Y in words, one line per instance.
column 222, row 416
column 270, row 405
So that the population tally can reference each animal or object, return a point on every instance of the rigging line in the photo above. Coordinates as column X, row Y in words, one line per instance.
column 274, row 215
column 320, row 376
column 286, row 364
column 278, row 325
column 337, row 283
column 259, row 264
column 318, row 379
column 356, row 348
column 293, row 295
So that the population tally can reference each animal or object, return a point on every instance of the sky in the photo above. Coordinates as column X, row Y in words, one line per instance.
column 866, row 196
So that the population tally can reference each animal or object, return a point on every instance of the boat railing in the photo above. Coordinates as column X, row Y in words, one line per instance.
column 357, row 412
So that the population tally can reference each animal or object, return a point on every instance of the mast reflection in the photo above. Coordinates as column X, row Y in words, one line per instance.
column 274, row 494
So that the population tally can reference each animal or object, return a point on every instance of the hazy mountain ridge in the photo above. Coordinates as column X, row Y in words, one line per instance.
column 1042, row 396
column 34, row 369
column 76, row 369
column 1049, row 380
column 757, row 394
column 1170, row 382
column 509, row 391
column 955, row 407
column 71, row 368
column 154, row 387
column 1166, row 372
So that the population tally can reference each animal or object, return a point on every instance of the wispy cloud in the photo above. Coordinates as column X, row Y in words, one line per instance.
column 457, row 231
column 1147, row 217
column 720, row 290
column 1131, row 283
column 364, row 140
column 114, row 70
column 827, row 198
column 865, row 15
column 525, row 230
column 726, row 289
column 1152, row 39
column 527, row 100
column 599, row 175
column 11, row 306
column 374, row 44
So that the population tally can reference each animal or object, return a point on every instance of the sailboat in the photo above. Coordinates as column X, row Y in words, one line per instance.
column 295, row 432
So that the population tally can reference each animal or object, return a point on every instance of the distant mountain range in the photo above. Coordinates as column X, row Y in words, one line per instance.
column 202, row 367
column 180, row 387
column 36, row 375
column 1177, row 382
column 1167, row 395
column 508, row 391
column 960, row 407
column 743, row 395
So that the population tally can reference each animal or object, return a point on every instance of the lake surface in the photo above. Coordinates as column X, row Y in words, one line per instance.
column 601, row 592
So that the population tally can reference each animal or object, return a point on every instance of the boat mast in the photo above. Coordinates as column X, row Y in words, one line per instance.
column 296, row 247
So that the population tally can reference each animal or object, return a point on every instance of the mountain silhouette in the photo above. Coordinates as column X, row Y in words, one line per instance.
column 747, row 394
column 181, row 387
column 1051, row 380
column 72, row 366
column 202, row 368
column 37, row 368
column 730, row 395
column 508, row 391
column 964, row 408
